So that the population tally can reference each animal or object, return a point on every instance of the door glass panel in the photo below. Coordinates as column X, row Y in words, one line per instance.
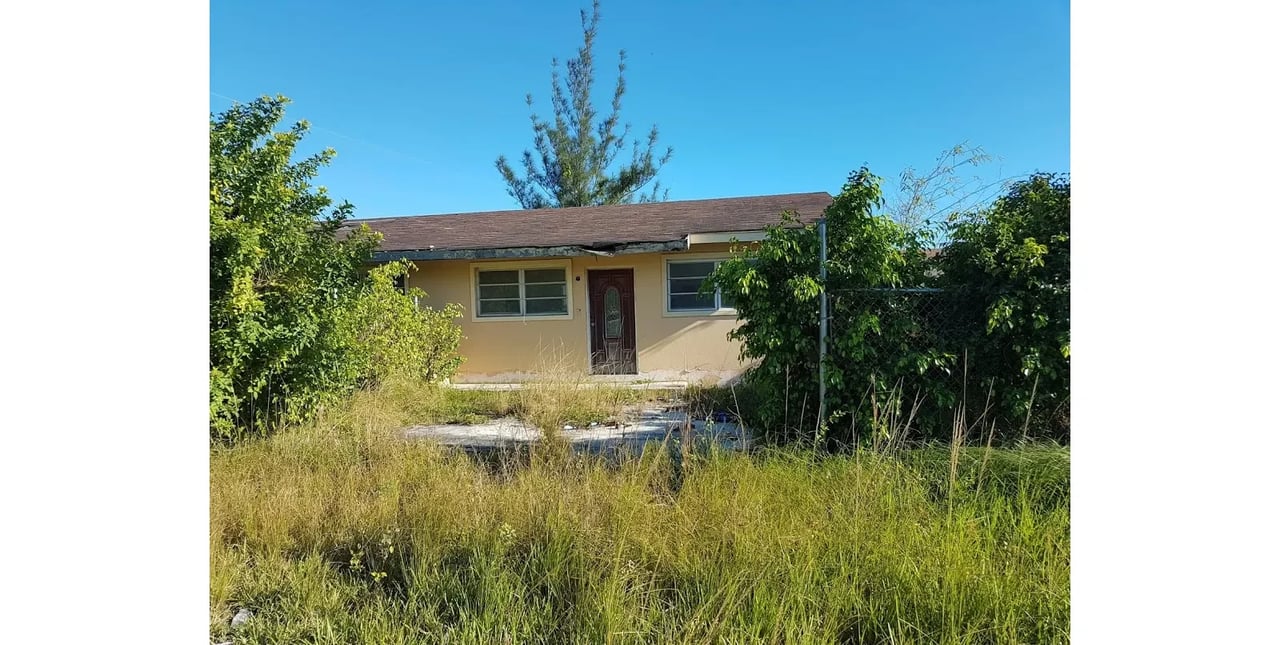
column 612, row 313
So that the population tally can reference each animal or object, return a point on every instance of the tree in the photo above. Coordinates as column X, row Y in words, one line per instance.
column 1010, row 265
column 872, row 345
column 574, row 152
column 901, row 352
column 922, row 198
column 295, row 318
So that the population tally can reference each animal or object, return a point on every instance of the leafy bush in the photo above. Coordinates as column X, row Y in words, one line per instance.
column 291, row 302
column 776, row 289
column 1010, row 268
column 898, row 355
column 389, row 335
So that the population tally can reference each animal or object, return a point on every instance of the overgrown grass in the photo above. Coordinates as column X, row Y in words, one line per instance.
column 341, row 532
column 548, row 403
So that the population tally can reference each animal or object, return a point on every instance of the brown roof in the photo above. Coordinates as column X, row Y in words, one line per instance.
column 591, row 226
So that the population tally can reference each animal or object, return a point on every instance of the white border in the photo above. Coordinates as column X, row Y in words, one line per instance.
column 475, row 267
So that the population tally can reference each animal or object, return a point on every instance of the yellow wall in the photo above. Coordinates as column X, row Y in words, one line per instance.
column 670, row 347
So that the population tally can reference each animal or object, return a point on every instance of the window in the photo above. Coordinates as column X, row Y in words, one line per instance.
column 522, row 292
column 684, row 284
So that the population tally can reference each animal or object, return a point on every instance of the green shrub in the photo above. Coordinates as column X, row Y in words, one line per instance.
column 1010, row 268
column 908, row 336
column 295, row 319
column 391, row 336
column 776, row 289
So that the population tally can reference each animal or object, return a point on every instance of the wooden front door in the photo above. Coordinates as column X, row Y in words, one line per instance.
column 612, row 302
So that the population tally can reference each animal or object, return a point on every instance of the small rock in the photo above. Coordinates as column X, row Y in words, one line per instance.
column 592, row 424
column 568, row 427
column 243, row 616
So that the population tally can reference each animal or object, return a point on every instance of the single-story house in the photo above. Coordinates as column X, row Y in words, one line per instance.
column 607, row 290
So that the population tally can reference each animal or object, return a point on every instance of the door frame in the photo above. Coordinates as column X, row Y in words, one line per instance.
column 586, row 298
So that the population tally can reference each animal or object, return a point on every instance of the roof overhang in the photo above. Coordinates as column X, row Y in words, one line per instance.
column 533, row 251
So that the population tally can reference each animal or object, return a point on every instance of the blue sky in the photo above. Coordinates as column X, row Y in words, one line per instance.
column 419, row 98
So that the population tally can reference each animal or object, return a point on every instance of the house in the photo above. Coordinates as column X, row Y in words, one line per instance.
column 604, row 290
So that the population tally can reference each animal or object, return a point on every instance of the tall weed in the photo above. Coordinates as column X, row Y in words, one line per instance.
column 343, row 532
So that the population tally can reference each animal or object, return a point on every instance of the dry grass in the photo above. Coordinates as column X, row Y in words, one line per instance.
column 564, row 395
column 341, row 532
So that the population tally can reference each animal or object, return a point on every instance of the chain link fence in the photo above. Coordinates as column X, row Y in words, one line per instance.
column 899, row 358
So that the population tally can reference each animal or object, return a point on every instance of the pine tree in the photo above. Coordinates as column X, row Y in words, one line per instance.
column 574, row 153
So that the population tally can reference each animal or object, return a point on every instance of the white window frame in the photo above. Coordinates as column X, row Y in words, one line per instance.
column 477, row 267
column 667, row 311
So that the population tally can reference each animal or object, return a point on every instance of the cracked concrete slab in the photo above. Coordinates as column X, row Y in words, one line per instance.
column 640, row 426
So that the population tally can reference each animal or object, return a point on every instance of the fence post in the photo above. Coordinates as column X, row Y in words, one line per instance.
column 822, row 319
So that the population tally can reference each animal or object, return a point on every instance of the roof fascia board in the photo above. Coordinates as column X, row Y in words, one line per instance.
column 529, row 252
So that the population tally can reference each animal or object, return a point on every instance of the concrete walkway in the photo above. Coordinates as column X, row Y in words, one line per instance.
column 596, row 381
column 641, row 426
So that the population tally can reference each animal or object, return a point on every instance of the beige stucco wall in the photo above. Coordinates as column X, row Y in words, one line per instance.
column 669, row 346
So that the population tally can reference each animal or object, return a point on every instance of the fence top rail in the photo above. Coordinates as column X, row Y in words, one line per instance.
column 891, row 290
